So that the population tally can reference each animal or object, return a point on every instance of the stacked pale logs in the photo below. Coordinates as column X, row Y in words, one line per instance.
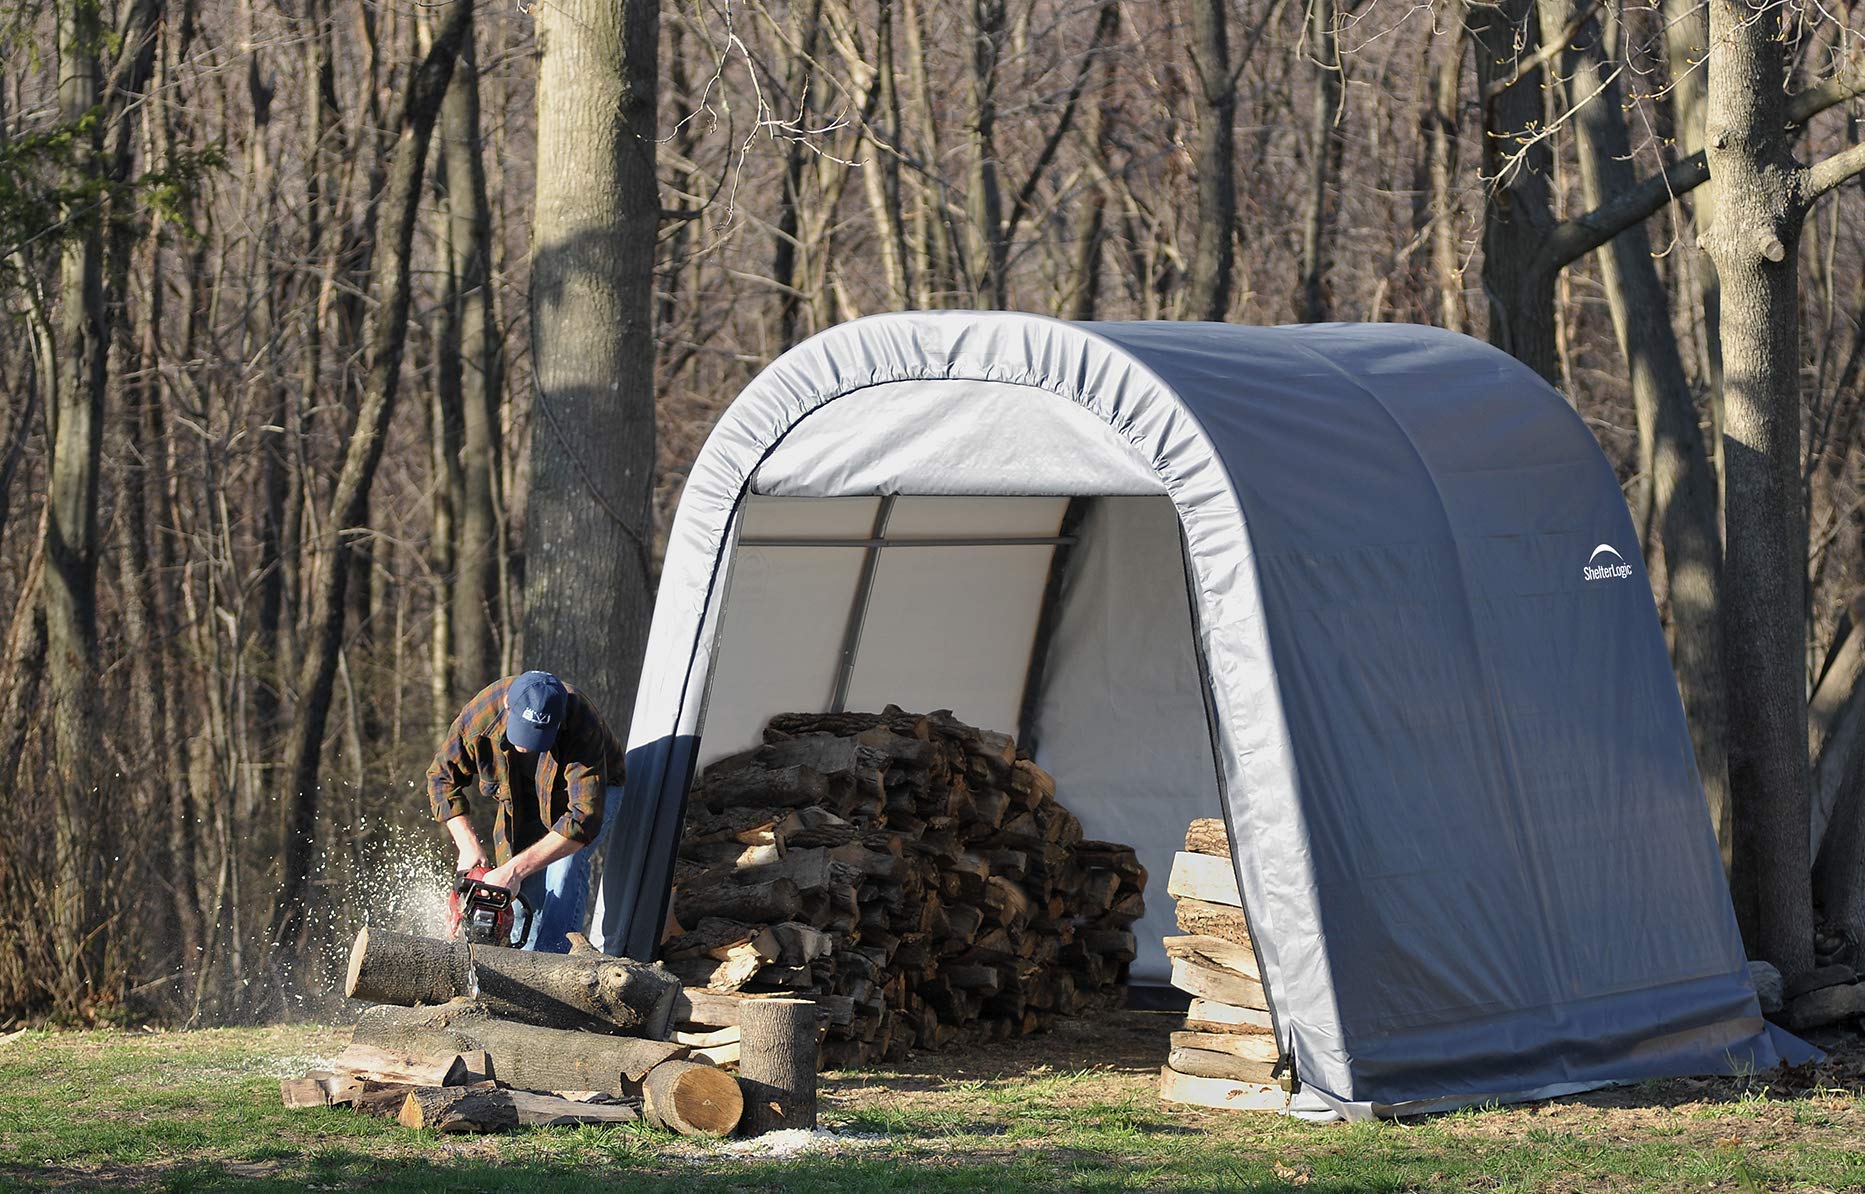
column 482, row 1039
column 909, row 873
column 1226, row 1054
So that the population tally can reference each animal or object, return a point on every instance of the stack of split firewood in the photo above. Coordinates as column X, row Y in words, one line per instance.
column 1226, row 1055
column 910, row 873
column 478, row 1038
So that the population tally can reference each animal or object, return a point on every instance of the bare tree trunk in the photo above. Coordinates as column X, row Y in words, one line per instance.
column 1446, row 272
column 1216, row 97
column 1326, row 147
column 75, row 415
column 401, row 203
column 475, row 597
column 1516, row 164
column 1686, row 40
column 1683, row 483
column 988, row 250
column 592, row 280
column 1762, row 195
column 786, row 270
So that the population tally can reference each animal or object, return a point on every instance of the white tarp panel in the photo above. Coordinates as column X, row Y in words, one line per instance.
column 1120, row 721
column 1467, row 825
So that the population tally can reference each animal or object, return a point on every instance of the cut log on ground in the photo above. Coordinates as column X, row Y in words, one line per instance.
column 525, row 1055
column 550, row 1111
column 1220, row 1092
column 693, row 1099
column 481, row 1107
column 585, row 989
column 777, row 1065
column 371, row 1064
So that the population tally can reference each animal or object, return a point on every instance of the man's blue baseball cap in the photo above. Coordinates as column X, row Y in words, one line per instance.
column 534, row 708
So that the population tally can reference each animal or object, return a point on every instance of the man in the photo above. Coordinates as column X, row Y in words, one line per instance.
column 540, row 749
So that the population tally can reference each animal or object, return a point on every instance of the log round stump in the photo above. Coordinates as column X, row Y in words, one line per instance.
column 777, row 1064
column 691, row 1098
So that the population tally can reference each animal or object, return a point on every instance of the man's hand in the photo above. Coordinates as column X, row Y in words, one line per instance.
column 505, row 876
column 472, row 854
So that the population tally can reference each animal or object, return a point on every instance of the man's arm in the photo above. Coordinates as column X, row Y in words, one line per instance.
column 472, row 854
column 531, row 859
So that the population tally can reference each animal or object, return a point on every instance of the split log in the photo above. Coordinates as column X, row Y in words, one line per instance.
column 1215, row 952
column 479, row 1108
column 379, row 1065
column 528, row 1056
column 299, row 1093
column 777, row 1064
column 1249, row 1047
column 1220, row 1092
column 1208, row 1015
column 1224, row 986
column 1202, row 1063
column 692, row 1098
column 1213, row 920
column 584, row 989
column 708, row 1040
column 1207, row 835
column 1203, row 877
column 554, row 1111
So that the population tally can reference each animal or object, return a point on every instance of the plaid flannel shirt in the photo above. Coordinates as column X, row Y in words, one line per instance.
column 582, row 764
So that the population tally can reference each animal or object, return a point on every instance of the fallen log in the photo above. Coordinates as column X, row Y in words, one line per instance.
column 528, row 1056
column 478, row 1108
column 554, row 1111
column 691, row 1098
column 777, row 1064
column 1220, row 1092
column 584, row 989
column 371, row 1064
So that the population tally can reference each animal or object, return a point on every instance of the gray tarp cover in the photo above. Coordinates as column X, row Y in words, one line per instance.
column 1469, row 831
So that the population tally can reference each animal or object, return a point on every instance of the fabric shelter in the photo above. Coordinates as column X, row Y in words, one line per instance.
column 1370, row 592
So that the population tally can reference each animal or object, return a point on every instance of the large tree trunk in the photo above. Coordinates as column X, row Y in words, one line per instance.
column 1516, row 162
column 989, row 252
column 1442, row 124
column 75, row 417
column 400, row 203
column 475, row 596
column 523, row 1055
column 1216, row 96
column 1754, row 243
column 1683, row 482
column 590, row 506
column 586, row 989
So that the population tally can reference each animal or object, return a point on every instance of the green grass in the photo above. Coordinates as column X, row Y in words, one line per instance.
column 200, row 1111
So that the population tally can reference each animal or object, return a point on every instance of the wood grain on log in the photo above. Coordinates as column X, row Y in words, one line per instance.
column 584, row 989
column 380, row 1065
column 692, row 1098
column 554, row 1111
column 1213, row 920
column 1220, row 1092
column 1203, row 877
column 777, row 1064
column 1224, row 986
column 478, row 1108
column 1203, row 1063
column 1214, row 951
column 1208, row 1015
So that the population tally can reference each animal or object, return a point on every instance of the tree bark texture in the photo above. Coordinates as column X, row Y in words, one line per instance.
column 1754, row 243
column 1326, row 146
column 589, row 509
column 1516, row 164
column 583, row 990
column 523, row 1055
column 1214, row 261
column 75, row 421
column 777, row 1064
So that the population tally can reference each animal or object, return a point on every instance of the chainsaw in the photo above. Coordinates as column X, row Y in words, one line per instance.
column 481, row 914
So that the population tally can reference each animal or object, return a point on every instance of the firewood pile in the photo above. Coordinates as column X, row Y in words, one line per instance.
column 1226, row 1054
column 911, row 874
column 473, row 1038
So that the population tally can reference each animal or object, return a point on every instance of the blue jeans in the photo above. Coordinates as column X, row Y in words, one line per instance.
column 559, row 893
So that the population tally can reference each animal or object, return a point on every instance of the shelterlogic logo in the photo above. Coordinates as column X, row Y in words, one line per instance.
column 1612, row 568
